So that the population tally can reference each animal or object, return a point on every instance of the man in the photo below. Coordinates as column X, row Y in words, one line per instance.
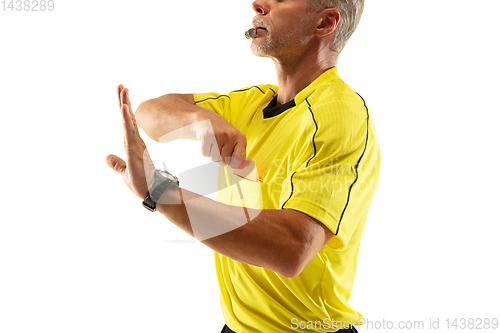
column 290, row 265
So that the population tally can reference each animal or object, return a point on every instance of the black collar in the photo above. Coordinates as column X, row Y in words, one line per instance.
column 271, row 110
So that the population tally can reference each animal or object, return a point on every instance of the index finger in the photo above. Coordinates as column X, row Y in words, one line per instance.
column 119, row 91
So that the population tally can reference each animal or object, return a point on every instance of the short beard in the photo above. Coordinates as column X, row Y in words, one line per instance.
column 281, row 46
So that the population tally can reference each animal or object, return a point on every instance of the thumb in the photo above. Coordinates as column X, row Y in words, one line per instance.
column 116, row 163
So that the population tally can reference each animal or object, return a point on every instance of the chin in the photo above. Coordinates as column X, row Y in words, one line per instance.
column 260, row 50
column 259, row 53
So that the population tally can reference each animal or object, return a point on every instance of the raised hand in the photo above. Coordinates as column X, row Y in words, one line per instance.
column 138, row 170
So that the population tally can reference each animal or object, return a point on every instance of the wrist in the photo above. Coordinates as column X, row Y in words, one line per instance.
column 200, row 114
column 163, row 180
column 171, row 196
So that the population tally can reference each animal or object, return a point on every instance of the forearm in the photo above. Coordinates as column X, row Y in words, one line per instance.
column 166, row 114
column 263, row 241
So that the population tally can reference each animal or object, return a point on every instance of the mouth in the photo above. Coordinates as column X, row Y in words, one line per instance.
column 259, row 25
column 257, row 28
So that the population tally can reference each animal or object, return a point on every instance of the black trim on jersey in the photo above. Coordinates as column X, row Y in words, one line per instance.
column 291, row 181
column 357, row 164
column 249, row 89
column 203, row 100
column 271, row 110
column 314, row 145
column 314, row 135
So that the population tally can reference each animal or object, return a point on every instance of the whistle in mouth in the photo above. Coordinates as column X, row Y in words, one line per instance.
column 251, row 33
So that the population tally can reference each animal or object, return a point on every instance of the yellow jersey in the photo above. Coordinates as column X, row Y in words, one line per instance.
column 317, row 154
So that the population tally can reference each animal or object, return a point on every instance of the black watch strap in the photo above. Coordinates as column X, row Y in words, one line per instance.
column 149, row 204
column 161, row 183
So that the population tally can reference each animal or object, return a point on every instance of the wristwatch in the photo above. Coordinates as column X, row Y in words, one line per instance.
column 163, row 180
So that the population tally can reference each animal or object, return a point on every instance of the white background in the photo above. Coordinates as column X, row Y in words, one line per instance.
column 78, row 253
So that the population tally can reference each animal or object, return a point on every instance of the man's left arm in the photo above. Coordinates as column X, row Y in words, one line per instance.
column 282, row 240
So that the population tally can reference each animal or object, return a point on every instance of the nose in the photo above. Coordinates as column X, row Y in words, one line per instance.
column 260, row 7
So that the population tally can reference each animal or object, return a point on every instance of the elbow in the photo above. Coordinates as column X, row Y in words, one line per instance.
column 290, row 272
column 143, row 117
column 141, row 114
column 294, row 263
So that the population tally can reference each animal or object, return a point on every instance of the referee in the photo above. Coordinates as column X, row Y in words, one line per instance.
column 299, row 167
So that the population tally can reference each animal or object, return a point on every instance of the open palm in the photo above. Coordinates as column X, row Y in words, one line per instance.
column 138, row 170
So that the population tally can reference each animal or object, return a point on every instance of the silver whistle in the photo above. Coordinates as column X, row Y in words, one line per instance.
column 251, row 33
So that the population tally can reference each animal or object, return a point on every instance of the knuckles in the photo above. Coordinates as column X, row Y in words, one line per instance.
column 227, row 136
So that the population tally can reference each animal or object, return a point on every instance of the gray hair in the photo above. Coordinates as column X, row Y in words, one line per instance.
column 350, row 14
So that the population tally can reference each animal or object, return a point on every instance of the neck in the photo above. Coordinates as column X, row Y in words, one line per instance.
column 295, row 74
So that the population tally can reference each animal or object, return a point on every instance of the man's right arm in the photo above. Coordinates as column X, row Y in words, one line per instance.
column 178, row 112
column 165, row 114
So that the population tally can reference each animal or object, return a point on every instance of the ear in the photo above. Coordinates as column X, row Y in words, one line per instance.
column 327, row 21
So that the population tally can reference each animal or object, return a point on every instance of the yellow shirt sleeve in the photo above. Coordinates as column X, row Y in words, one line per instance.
column 335, row 183
column 236, row 104
column 215, row 102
